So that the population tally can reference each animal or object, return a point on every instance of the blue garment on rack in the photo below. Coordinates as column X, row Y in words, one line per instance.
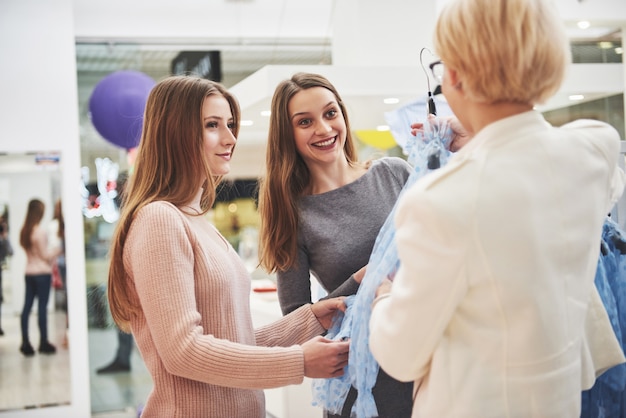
column 607, row 397
column 426, row 152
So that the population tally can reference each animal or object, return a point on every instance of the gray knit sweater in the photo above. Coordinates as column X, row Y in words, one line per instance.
column 336, row 235
column 337, row 231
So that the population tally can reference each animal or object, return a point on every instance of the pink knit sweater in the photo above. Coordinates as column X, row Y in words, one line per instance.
column 39, row 257
column 195, row 330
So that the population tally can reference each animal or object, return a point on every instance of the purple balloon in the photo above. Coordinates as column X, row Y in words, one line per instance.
column 117, row 104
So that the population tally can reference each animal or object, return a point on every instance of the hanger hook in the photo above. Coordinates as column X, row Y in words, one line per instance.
column 424, row 67
column 432, row 109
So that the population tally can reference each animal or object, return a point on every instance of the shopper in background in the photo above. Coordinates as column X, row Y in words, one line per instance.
column 38, row 276
column 121, row 362
column 180, row 287
column 6, row 250
column 499, row 247
column 321, row 209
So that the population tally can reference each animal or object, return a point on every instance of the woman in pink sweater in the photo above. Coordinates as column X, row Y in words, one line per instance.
column 38, row 276
column 177, row 284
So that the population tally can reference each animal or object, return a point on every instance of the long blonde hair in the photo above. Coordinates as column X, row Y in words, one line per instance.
column 169, row 161
column 287, row 175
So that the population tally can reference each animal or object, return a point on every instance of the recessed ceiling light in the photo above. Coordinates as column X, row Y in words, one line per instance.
column 266, row 112
column 247, row 123
column 605, row 45
column 391, row 100
column 583, row 24
column 574, row 97
column 382, row 128
column 591, row 33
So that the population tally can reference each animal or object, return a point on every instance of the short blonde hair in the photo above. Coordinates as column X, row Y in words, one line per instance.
column 506, row 50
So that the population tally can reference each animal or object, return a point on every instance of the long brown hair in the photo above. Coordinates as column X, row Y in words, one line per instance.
column 169, row 161
column 34, row 215
column 287, row 175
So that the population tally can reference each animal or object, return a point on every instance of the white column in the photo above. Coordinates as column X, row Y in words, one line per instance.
column 39, row 108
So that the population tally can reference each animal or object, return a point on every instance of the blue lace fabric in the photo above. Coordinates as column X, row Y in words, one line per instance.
column 425, row 152
column 607, row 397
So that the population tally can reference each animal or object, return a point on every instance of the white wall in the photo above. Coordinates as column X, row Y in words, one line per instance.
column 39, row 111
column 382, row 33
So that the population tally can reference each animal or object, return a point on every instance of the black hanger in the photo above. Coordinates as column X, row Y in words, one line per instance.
column 432, row 109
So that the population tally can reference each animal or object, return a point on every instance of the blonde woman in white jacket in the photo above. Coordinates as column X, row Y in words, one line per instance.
column 499, row 248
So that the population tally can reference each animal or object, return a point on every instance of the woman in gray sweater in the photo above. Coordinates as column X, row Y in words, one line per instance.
column 321, row 209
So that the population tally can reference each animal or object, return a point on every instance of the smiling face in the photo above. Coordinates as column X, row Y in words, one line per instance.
column 217, row 132
column 319, row 126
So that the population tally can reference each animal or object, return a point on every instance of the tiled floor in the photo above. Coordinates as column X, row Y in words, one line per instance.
column 41, row 380
column 120, row 393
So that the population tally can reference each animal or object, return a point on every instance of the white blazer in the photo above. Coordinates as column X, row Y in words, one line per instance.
column 499, row 250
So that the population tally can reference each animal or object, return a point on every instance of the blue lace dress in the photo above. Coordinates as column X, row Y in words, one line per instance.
column 607, row 397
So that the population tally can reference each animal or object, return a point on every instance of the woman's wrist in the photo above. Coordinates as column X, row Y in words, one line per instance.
column 379, row 298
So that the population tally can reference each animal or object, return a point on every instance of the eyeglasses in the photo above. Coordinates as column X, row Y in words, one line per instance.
column 437, row 69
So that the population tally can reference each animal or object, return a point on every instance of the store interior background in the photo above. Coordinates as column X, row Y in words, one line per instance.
column 55, row 52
